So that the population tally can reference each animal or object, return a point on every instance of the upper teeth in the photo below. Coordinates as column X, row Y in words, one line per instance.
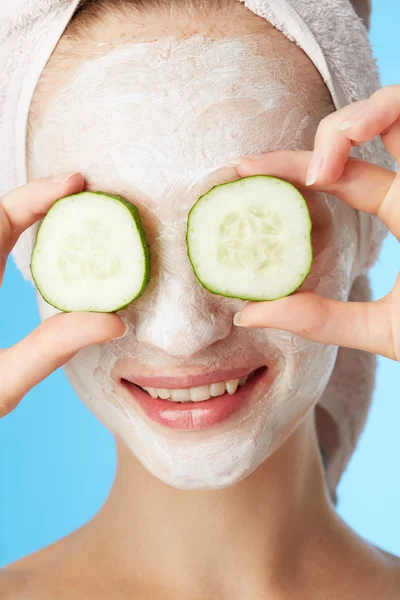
column 197, row 394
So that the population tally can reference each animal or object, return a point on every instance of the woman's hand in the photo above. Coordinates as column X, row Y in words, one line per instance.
column 60, row 337
column 370, row 326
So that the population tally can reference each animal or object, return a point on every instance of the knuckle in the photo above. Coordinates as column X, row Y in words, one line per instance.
column 326, row 124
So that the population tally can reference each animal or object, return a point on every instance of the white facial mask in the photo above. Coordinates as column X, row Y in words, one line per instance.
column 154, row 122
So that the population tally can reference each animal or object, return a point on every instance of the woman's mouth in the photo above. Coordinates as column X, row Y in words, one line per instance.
column 201, row 393
column 195, row 408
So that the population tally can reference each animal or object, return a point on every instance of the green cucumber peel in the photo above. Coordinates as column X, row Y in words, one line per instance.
column 103, row 262
column 250, row 239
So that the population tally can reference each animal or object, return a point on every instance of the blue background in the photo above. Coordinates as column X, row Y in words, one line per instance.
column 57, row 461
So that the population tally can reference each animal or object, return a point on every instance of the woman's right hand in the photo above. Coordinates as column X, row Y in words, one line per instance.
column 61, row 336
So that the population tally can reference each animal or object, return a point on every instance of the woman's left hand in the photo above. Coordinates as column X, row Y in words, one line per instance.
column 370, row 326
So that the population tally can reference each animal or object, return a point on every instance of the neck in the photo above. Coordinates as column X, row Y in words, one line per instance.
column 236, row 541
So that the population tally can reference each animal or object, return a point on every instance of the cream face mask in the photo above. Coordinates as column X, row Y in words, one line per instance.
column 157, row 123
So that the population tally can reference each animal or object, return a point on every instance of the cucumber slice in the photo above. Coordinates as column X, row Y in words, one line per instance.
column 91, row 254
column 251, row 239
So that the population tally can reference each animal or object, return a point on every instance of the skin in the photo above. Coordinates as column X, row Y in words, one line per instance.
column 153, row 541
column 373, row 326
column 171, row 322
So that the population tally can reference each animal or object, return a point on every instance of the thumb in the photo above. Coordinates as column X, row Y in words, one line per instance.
column 49, row 347
column 359, row 325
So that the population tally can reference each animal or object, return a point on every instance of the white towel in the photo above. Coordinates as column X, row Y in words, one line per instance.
column 333, row 37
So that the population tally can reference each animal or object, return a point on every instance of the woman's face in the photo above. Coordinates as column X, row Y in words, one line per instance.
column 157, row 122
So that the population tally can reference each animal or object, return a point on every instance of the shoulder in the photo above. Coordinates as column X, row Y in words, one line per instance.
column 383, row 577
column 394, row 577
column 21, row 579
column 13, row 584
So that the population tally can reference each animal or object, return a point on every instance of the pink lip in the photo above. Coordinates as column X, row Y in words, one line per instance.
column 190, row 416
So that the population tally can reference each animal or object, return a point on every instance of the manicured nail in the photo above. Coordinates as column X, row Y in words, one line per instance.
column 355, row 118
column 127, row 327
column 63, row 178
column 237, row 320
column 235, row 162
column 314, row 169
column 346, row 125
column 241, row 159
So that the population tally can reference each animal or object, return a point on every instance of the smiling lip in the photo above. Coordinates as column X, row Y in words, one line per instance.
column 193, row 416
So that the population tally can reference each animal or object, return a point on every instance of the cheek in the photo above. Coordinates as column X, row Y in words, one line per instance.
column 335, row 246
column 322, row 223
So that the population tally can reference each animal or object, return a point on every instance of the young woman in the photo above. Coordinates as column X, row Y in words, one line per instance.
column 224, row 496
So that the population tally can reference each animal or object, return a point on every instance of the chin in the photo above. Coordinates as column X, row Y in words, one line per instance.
column 216, row 462
column 224, row 443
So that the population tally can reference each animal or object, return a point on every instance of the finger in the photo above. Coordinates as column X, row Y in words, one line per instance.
column 47, row 348
column 363, row 186
column 331, row 147
column 391, row 140
column 375, row 116
column 354, row 125
column 23, row 206
column 359, row 325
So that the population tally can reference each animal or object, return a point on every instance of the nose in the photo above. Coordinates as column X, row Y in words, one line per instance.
column 182, row 319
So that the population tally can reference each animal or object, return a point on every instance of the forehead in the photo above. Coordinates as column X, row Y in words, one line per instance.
column 82, row 43
column 156, row 119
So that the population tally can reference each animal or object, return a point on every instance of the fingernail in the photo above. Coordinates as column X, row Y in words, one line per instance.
column 241, row 159
column 63, row 178
column 237, row 320
column 314, row 169
column 127, row 327
column 354, row 118
column 346, row 125
column 254, row 156
column 235, row 162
